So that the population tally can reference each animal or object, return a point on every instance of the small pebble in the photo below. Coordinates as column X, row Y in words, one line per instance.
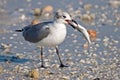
column 3, row 31
column 82, row 61
column 88, row 18
column 48, row 8
column 47, row 73
column 74, row 41
column 23, row 17
column 37, row 12
column 85, row 46
column 4, row 46
column 87, row 6
column 1, row 69
column 17, row 68
column 19, row 56
column 15, row 35
column 47, row 11
column 20, row 9
column 66, row 50
column 93, row 34
column 34, row 73
column 65, row 78
column 96, row 79
column 11, row 37
column 114, row 4
column 29, row 0
column 35, row 21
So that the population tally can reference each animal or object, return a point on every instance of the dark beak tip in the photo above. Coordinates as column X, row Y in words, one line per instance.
column 74, row 21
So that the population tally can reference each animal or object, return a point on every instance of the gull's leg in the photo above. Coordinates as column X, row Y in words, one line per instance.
column 42, row 63
column 61, row 64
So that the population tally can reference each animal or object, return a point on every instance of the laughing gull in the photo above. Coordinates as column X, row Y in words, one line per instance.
column 52, row 33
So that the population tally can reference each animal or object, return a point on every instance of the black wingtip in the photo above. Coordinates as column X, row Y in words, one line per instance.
column 18, row 30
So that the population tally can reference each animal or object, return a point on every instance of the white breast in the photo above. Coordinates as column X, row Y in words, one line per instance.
column 56, row 36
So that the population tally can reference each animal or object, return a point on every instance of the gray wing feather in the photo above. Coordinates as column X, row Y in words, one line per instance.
column 36, row 33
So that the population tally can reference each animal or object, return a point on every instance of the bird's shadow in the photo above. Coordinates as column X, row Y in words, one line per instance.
column 14, row 59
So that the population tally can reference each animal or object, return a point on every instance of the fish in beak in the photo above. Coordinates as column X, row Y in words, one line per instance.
column 81, row 29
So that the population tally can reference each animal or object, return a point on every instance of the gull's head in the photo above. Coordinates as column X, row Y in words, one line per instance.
column 63, row 17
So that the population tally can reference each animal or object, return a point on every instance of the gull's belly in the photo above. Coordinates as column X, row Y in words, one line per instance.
column 54, row 38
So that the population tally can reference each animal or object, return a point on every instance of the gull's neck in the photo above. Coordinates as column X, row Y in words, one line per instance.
column 59, row 21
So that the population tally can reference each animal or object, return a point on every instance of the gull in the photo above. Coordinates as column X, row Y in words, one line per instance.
column 52, row 33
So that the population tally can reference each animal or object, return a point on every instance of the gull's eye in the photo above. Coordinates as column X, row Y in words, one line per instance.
column 64, row 16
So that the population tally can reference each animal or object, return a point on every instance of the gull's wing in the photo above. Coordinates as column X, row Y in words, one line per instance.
column 35, row 33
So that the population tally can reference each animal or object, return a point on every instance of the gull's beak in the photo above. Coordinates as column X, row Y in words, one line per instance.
column 81, row 29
